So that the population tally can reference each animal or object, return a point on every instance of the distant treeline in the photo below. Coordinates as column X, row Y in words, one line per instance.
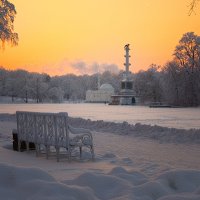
column 175, row 83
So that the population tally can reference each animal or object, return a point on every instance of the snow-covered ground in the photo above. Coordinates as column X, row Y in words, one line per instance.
column 185, row 118
column 140, row 162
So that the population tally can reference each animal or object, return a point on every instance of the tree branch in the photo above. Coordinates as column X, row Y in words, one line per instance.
column 192, row 6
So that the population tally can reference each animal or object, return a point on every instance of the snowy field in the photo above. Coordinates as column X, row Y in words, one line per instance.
column 139, row 162
column 185, row 118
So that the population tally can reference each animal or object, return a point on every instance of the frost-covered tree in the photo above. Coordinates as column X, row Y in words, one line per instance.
column 187, row 56
column 7, row 16
column 147, row 84
column 181, row 76
column 187, row 52
column 3, row 79
column 16, row 84
column 56, row 94
column 39, row 85
column 172, row 83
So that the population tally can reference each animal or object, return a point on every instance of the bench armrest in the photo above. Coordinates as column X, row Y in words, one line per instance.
column 81, row 131
column 81, row 134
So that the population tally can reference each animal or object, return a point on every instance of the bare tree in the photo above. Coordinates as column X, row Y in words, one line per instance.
column 187, row 56
column 147, row 84
column 193, row 5
column 172, row 83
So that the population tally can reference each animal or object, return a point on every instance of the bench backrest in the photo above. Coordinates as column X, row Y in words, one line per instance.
column 43, row 128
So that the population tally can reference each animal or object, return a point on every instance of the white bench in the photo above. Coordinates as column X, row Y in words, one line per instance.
column 51, row 129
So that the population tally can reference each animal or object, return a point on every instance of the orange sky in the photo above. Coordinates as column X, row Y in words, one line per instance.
column 59, row 37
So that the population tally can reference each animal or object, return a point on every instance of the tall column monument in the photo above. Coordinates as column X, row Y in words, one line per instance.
column 127, row 94
column 127, row 56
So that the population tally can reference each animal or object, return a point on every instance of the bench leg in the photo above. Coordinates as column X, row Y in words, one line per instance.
column 92, row 151
column 69, row 150
column 19, row 145
column 57, row 153
column 80, row 152
column 27, row 146
column 47, row 151
column 37, row 146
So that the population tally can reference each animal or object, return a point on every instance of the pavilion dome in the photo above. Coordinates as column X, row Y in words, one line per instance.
column 106, row 87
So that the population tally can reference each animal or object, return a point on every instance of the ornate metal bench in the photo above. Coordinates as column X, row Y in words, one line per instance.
column 51, row 130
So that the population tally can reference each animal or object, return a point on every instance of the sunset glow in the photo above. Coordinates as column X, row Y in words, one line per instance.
column 54, row 36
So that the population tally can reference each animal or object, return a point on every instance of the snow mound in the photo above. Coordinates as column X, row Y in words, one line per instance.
column 162, row 134
column 108, row 155
column 19, row 183
column 181, row 181
column 104, row 186
column 122, row 184
column 172, row 185
column 135, row 178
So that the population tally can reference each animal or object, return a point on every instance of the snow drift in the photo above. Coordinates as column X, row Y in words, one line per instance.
column 162, row 134
column 110, row 177
column 19, row 183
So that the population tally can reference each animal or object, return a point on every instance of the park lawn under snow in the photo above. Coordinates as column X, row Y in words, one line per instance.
column 132, row 162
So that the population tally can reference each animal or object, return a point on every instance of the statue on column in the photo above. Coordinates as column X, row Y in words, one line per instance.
column 126, row 46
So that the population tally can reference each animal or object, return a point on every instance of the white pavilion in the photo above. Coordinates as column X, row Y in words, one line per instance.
column 102, row 95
